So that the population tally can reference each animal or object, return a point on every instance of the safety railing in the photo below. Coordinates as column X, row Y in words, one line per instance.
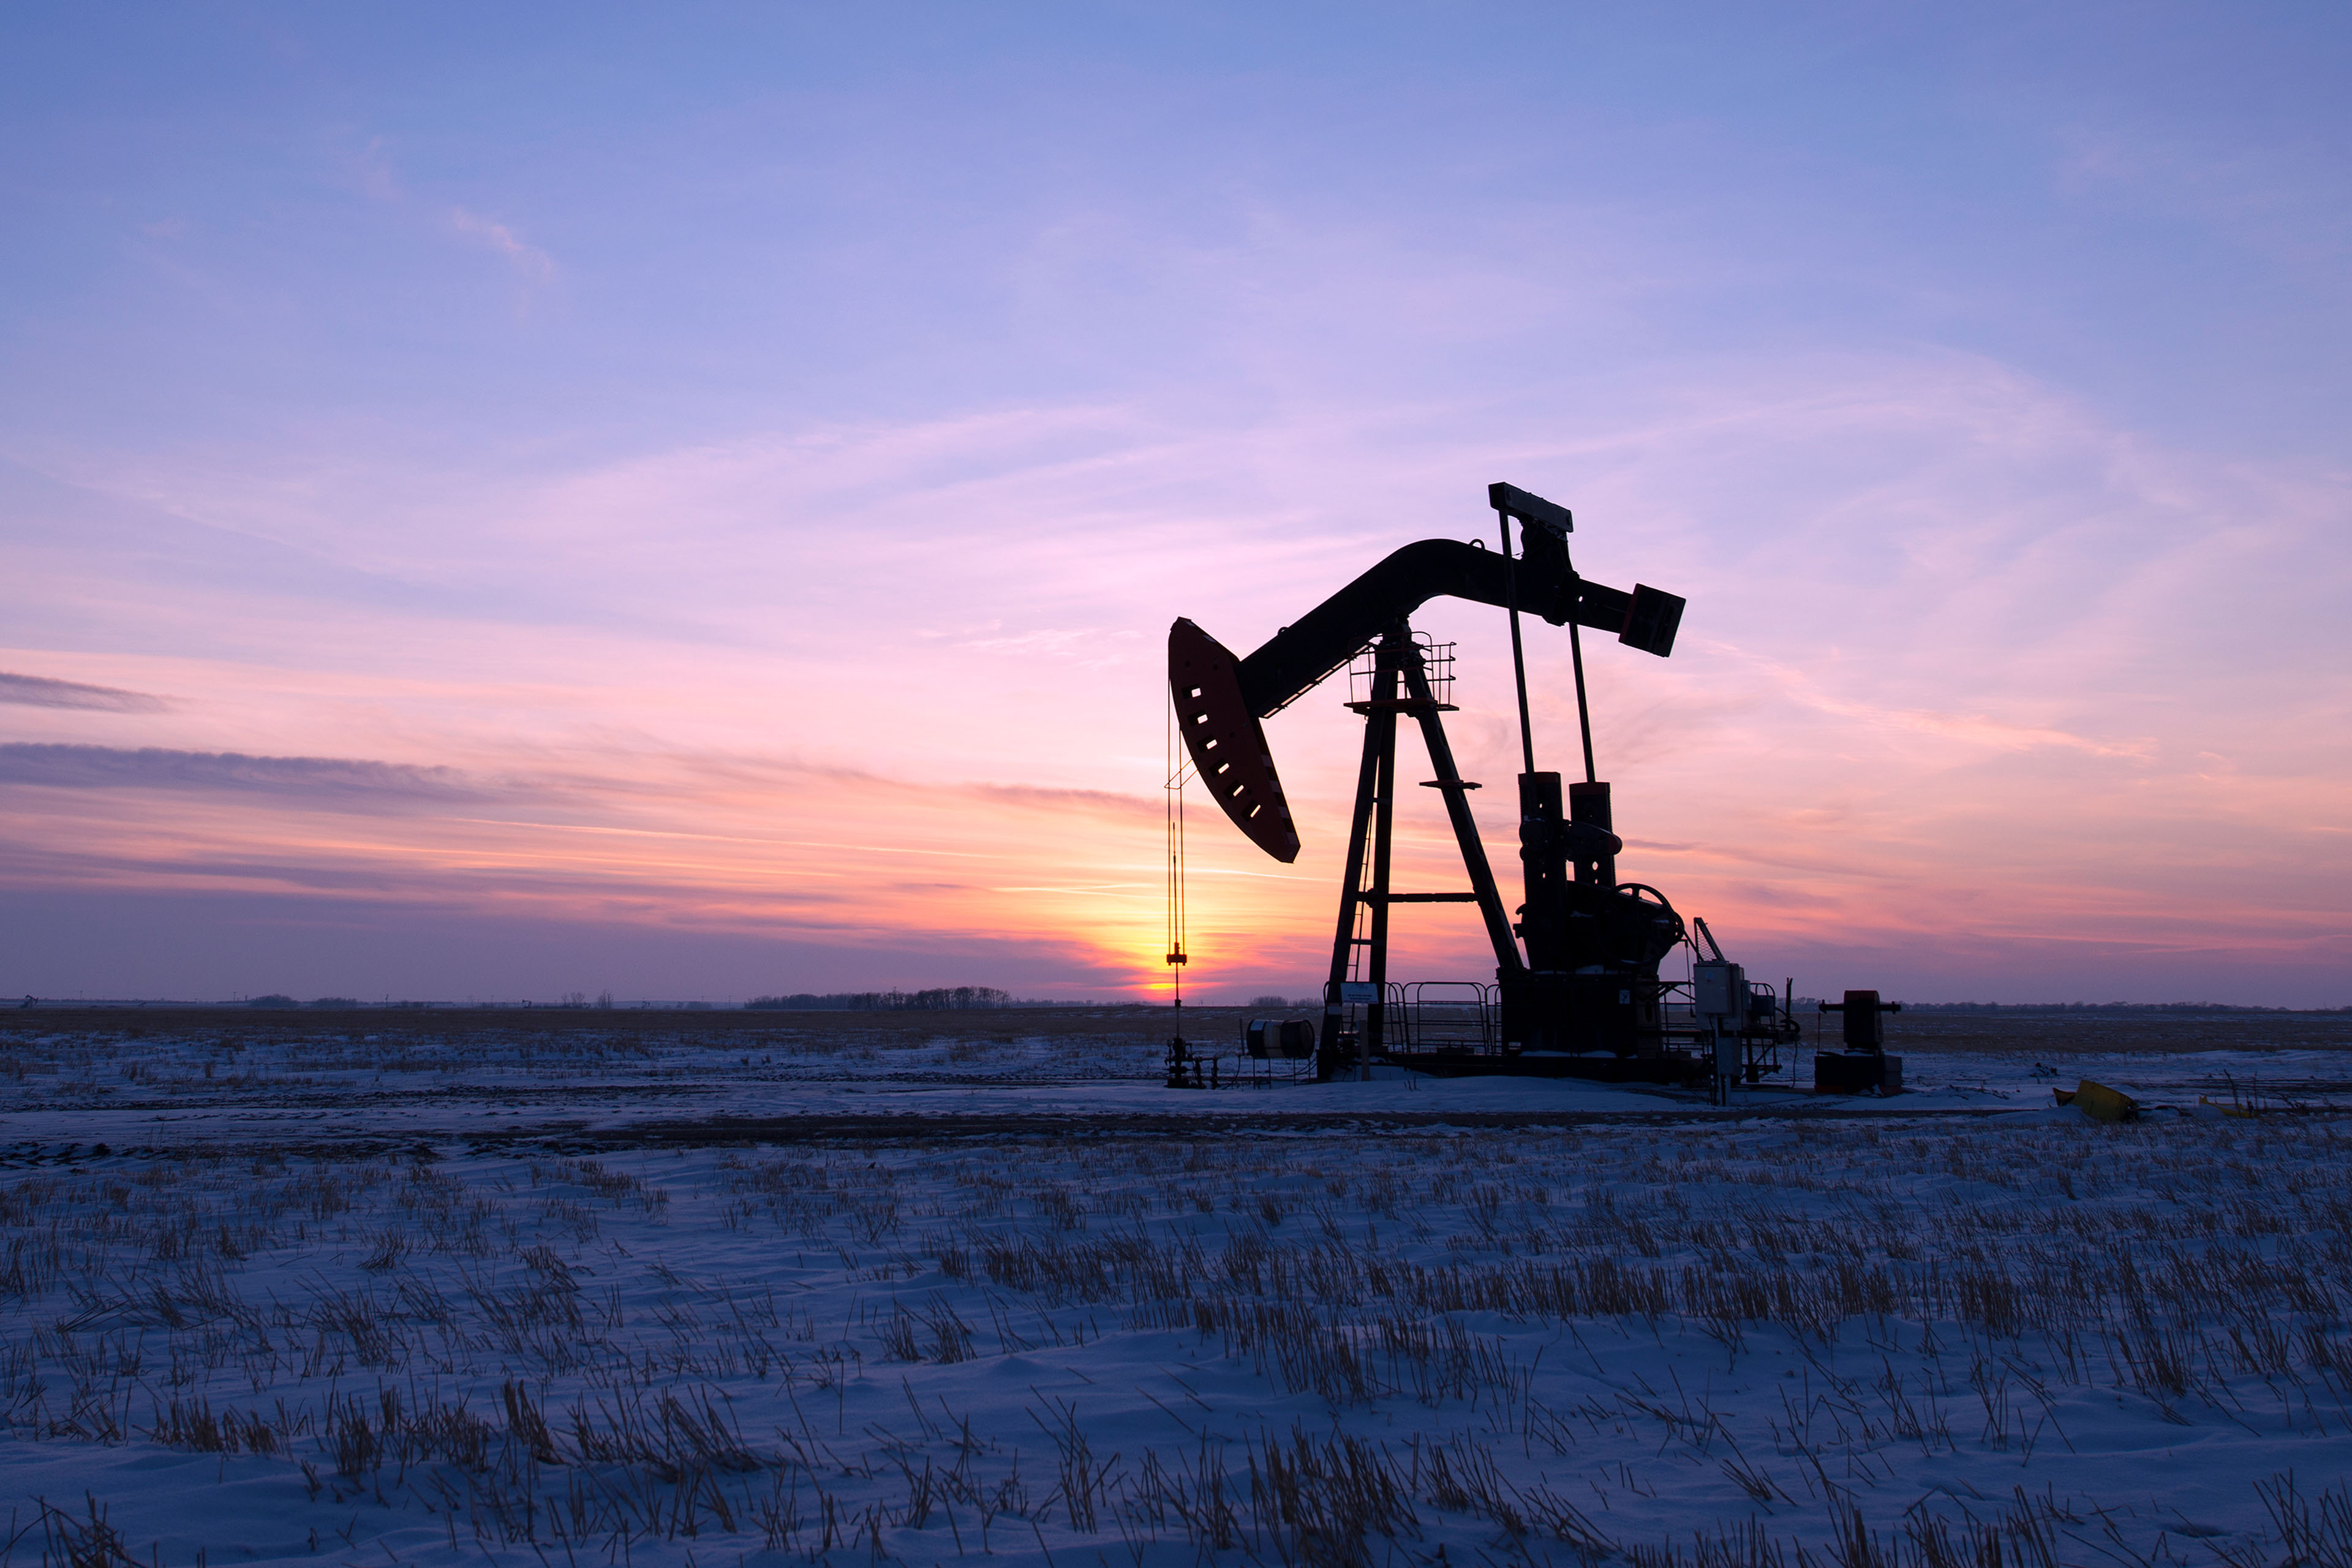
column 1436, row 666
column 1443, row 1016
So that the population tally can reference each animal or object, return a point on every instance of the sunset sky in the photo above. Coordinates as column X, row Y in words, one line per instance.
column 502, row 501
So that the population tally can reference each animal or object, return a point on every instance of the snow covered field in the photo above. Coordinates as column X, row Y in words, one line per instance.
column 368, row 1295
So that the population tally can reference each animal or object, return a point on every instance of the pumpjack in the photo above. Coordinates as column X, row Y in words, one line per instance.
column 1577, row 990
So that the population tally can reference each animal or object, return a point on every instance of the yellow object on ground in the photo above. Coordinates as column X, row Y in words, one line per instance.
column 2233, row 1108
column 2100, row 1103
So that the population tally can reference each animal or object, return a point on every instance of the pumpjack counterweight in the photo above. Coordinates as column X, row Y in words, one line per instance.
column 1226, row 741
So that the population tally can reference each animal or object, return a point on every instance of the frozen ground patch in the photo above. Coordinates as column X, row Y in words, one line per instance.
column 1881, row 1341
column 206, row 1080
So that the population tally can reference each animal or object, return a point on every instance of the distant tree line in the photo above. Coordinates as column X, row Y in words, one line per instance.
column 938, row 999
column 2103, row 1008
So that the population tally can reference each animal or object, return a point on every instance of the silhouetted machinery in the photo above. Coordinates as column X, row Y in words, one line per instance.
column 1864, row 1067
column 1577, row 990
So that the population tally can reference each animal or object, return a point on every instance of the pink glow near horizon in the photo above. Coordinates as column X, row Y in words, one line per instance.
column 2012, row 742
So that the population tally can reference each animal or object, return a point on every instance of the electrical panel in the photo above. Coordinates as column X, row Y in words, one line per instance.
column 1718, row 990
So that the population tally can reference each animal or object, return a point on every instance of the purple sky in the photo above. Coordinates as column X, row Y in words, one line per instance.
column 689, row 502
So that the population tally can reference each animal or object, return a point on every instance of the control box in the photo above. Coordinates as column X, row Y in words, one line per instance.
column 1719, row 990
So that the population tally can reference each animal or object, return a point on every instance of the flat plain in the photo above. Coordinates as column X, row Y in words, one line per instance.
column 447, row 1287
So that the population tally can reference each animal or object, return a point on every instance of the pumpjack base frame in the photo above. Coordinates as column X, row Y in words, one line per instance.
column 1673, row 1067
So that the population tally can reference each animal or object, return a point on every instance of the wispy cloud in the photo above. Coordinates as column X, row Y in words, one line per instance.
column 1094, row 647
column 41, row 692
column 534, row 264
column 1974, row 729
column 320, row 779
column 371, row 171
